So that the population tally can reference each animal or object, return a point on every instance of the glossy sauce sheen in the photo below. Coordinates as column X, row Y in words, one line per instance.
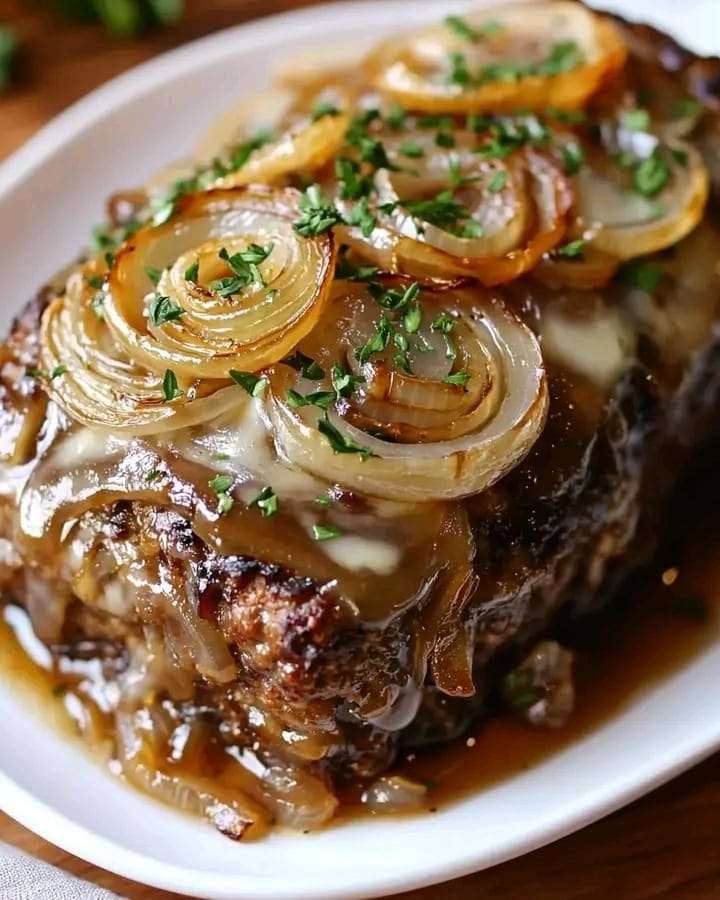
column 615, row 662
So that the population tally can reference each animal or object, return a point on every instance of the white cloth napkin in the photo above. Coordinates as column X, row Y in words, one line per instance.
column 23, row 877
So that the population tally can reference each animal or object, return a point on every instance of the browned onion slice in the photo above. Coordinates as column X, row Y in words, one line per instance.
column 416, row 69
column 247, row 329
column 439, row 443
column 521, row 221
column 101, row 386
column 623, row 223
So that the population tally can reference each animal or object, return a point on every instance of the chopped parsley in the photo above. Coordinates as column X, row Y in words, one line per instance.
column 242, row 153
column 339, row 442
column 244, row 266
column 325, row 532
column 266, row 501
column 305, row 365
column 573, row 157
column 462, row 28
column 170, row 388
column 221, row 485
column 192, row 272
column 498, row 181
column 352, row 184
column 324, row 108
column 163, row 213
column 635, row 120
column 459, row 378
column 444, row 323
column 163, row 309
column 642, row 274
column 317, row 215
column 324, row 500
column 651, row 175
column 411, row 149
column 396, row 117
column 345, row 269
column 95, row 281
column 443, row 210
column 343, row 381
column 253, row 384
column 361, row 216
column 321, row 399
column 412, row 318
column 571, row 250
column 377, row 342
column 686, row 107
column 459, row 72
column 57, row 372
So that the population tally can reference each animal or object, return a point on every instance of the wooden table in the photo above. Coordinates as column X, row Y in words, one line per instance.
column 664, row 846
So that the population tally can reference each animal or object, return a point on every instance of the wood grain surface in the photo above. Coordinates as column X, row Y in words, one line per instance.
column 664, row 846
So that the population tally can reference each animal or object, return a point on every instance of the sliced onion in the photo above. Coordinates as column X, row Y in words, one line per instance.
column 232, row 812
column 261, row 112
column 101, row 386
column 414, row 69
column 540, row 199
column 450, row 458
column 392, row 794
column 624, row 224
column 246, row 331
column 305, row 146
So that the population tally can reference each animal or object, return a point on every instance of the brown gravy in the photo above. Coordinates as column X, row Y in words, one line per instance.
column 664, row 626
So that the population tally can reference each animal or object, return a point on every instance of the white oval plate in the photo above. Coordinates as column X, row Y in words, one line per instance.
column 51, row 191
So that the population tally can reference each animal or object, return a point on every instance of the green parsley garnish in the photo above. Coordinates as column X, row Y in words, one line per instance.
column 352, row 185
column 325, row 532
column 412, row 318
column 339, row 442
column 573, row 157
column 170, row 388
column 57, row 372
column 343, row 381
column 460, row 378
column 361, row 216
column 686, row 107
column 152, row 475
column 321, row 399
column 572, row 250
column 459, row 72
column 221, row 485
column 345, row 269
column 242, row 153
column 443, row 211
column 244, row 266
column 635, row 119
column 324, row 500
column 642, row 274
column 253, row 384
column 266, row 501
column 305, row 365
column 396, row 117
column 317, row 215
column 95, row 281
column 444, row 139
column 411, row 149
column 192, row 272
column 163, row 213
column 163, row 309
column 377, row 342
column 498, row 181
column 324, row 108
column 651, row 175
column 462, row 28
column 444, row 323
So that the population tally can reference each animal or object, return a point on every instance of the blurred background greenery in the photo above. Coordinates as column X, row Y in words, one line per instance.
column 124, row 18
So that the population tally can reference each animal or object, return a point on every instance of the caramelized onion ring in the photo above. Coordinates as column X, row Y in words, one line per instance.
column 626, row 226
column 413, row 69
column 305, row 146
column 250, row 329
column 543, row 196
column 486, row 442
column 101, row 386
